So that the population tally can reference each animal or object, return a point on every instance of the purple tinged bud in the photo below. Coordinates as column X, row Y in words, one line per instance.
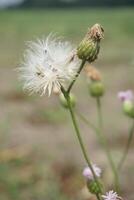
column 126, row 95
column 88, row 174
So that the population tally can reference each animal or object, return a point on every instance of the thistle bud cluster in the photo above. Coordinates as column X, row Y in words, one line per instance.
column 52, row 66
column 89, row 47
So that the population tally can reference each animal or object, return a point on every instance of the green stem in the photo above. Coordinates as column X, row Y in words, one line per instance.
column 98, row 196
column 98, row 133
column 130, row 137
column 100, row 118
column 105, row 145
column 84, row 119
column 78, row 72
column 65, row 93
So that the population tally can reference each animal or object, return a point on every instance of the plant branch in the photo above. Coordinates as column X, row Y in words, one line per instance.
column 78, row 72
column 66, row 95
column 130, row 137
column 105, row 144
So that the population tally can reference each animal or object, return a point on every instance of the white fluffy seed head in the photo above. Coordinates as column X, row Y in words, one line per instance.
column 47, row 64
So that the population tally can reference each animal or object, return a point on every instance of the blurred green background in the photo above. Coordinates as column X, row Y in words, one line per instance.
column 39, row 155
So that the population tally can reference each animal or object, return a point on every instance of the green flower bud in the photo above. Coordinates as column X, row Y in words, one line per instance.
column 89, row 48
column 93, row 187
column 96, row 89
column 64, row 103
column 128, row 108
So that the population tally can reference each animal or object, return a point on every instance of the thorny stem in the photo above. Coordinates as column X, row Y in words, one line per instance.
column 78, row 72
column 105, row 145
column 66, row 95
column 131, row 133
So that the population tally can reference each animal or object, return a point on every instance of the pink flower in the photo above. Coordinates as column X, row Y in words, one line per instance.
column 111, row 195
column 88, row 173
column 126, row 95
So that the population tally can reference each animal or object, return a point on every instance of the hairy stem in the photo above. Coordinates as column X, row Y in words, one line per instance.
column 124, row 156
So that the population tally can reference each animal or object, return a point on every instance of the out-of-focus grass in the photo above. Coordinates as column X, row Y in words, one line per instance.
column 16, row 93
column 19, row 26
column 22, row 176
column 42, row 116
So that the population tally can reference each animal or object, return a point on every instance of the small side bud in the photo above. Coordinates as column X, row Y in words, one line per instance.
column 96, row 89
column 93, row 73
column 64, row 103
column 89, row 47
column 93, row 187
column 128, row 108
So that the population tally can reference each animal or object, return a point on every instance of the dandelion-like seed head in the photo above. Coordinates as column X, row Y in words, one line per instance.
column 111, row 195
column 47, row 64
column 87, row 173
column 126, row 95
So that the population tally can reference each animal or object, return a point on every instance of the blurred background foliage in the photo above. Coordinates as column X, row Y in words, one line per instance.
column 65, row 3
column 78, row 3
column 39, row 156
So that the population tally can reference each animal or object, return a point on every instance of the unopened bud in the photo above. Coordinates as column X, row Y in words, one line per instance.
column 96, row 89
column 89, row 48
column 128, row 108
column 93, row 187
column 93, row 73
column 64, row 102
